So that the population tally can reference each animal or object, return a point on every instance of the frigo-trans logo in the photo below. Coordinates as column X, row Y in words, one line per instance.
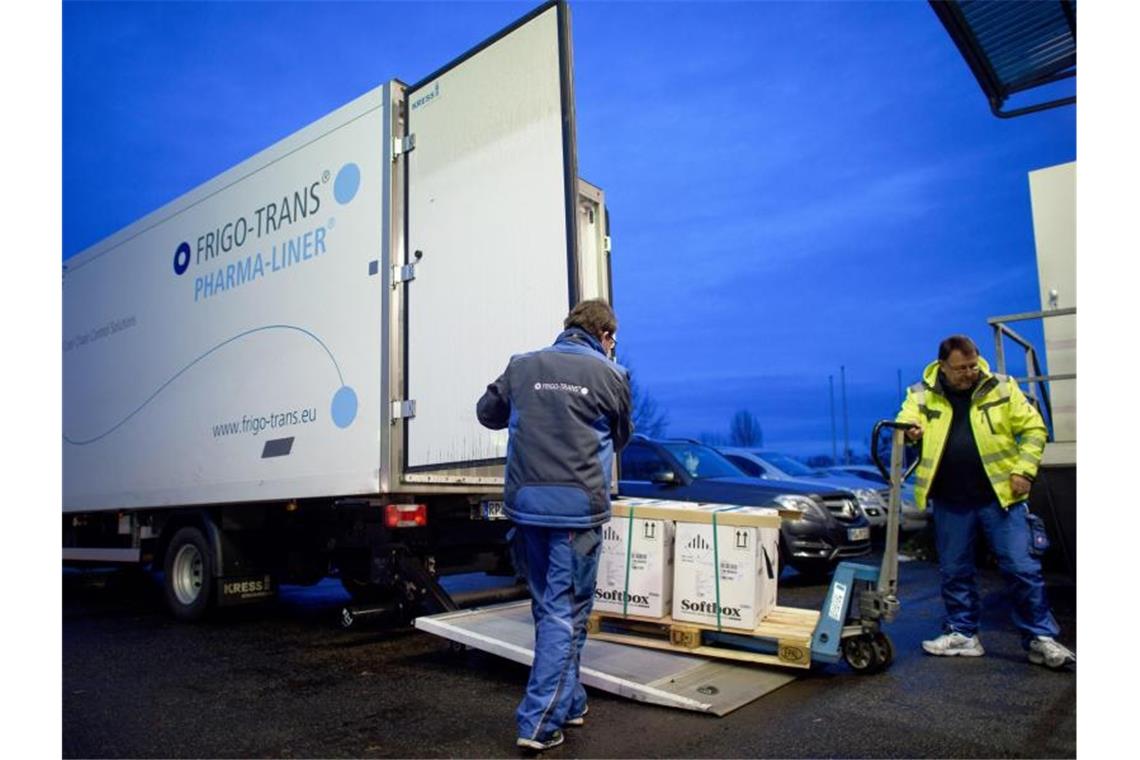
column 283, row 232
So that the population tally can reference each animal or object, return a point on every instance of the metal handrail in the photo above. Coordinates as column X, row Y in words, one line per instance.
column 1036, row 379
column 1027, row 315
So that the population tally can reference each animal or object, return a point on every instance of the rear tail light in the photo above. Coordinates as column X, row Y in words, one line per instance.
column 405, row 515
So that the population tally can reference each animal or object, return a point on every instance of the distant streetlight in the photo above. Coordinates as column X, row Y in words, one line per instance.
column 834, row 451
column 846, row 439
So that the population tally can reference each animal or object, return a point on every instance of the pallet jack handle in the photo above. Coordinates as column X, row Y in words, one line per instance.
column 889, row 572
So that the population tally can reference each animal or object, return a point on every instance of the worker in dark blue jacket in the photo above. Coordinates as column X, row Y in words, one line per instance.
column 568, row 410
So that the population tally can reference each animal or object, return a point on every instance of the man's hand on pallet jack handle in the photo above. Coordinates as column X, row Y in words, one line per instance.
column 914, row 432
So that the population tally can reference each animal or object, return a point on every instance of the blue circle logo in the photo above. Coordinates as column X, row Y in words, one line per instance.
column 182, row 258
column 344, row 407
column 347, row 183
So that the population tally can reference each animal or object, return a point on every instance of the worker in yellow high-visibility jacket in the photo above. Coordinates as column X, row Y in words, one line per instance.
column 981, row 444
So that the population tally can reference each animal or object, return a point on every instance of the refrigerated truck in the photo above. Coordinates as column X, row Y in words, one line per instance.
column 272, row 379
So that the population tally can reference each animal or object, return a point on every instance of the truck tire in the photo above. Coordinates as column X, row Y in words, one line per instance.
column 189, row 576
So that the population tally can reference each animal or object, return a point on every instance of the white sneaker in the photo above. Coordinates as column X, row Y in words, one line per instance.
column 1043, row 650
column 577, row 720
column 954, row 644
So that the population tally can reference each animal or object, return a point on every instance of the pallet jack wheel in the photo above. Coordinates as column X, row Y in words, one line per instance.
column 884, row 649
column 861, row 653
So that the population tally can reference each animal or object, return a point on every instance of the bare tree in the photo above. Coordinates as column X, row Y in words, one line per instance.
column 744, row 430
column 648, row 416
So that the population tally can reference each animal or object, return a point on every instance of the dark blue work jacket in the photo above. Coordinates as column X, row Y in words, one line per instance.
column 568, row 410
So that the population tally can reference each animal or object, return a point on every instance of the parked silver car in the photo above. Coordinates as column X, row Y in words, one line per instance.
column 912, row 517
column 872, row 496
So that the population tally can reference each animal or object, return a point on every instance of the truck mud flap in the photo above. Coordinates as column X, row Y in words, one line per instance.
column 246, row 589
column 644, row 675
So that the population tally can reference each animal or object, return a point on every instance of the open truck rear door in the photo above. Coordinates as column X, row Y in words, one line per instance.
column 491, row 230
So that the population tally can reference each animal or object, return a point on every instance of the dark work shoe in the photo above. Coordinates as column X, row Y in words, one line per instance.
column 577, row 720
column 537, row 745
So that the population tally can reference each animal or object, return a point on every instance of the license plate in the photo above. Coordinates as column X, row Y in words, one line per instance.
column 492, row 510
column 858, row 534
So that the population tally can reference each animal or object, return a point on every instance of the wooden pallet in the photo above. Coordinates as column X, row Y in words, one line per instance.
column 790, row 628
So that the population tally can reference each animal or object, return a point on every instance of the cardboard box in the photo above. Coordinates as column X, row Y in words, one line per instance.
column 745, row 582
column 635, row 576
column 688, row 511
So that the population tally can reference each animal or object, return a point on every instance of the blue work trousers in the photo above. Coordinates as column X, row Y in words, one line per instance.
column 1007, row 532
column 561, row 567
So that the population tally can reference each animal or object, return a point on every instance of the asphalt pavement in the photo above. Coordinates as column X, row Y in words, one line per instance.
column 284, row 680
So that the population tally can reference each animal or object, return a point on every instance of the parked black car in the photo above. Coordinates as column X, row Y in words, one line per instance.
column 832, row 526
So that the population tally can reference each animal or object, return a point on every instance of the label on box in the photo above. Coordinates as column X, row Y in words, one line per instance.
column 635, row 577
column 729, row 583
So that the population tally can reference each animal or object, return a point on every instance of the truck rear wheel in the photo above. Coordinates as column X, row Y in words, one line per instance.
column 189, row 574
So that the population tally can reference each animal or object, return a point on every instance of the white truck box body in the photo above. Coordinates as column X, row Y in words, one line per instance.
column 201, row 370
column 174, row 383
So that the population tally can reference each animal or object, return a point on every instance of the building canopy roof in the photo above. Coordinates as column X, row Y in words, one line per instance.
column 1014, row 45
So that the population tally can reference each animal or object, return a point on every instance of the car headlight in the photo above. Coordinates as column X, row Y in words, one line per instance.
column 803, row 504
column 868, row 497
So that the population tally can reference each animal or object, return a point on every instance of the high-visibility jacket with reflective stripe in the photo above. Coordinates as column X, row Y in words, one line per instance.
column 1009, row 432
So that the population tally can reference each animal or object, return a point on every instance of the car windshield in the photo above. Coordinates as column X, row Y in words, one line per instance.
column 702, row 462
column 791, row 466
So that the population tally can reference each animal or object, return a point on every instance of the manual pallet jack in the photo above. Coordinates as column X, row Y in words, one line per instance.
column 793, row 637
column 864, row 644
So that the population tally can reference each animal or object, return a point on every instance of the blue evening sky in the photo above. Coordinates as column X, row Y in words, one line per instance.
column 794, row 186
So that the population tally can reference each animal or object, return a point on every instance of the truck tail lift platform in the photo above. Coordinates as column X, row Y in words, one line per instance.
column 670, row 679
column 693, row 669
